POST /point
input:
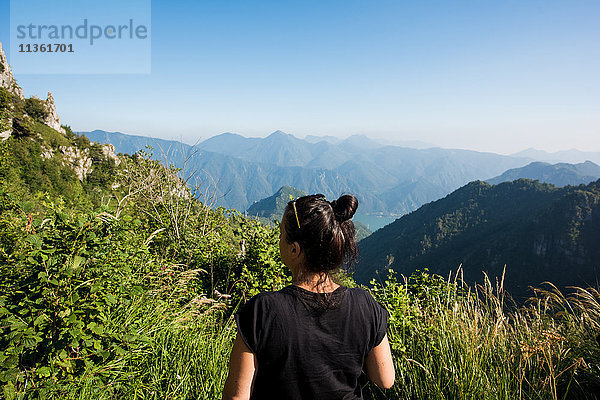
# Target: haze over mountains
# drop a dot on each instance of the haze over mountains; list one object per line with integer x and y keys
{"x": 387, "y": 180}
{"x": 572, "y": 156}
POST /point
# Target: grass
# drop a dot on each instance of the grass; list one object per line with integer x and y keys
{"x": 467, "y": 344}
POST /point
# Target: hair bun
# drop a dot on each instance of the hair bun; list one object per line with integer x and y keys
{"x": 344, "y": 207}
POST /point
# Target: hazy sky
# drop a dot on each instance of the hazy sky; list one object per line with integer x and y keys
{"x": 486, "y": 75}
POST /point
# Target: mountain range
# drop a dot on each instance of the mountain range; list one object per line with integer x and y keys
{"x": 561, "y": 174}
{"x": 388, "y": 180}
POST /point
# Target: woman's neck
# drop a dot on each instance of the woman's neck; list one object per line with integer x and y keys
{"x": 319, "y": 283}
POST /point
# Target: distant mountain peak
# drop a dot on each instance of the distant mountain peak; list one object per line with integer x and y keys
{"x": 569, "y": 156}
{"x": 359, "y": 137}
{"x": 360, "y": 141}
{"x": 317, "y": 139}
{"x": 230, "y": 134}
{"x": 226, "y": 135}
{"x": 281, "y": 137}
{"x": 540, "y": 163}
{"x": 279, "y": 133}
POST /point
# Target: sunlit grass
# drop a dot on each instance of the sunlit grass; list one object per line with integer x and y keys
{"x": 467, "y": 344}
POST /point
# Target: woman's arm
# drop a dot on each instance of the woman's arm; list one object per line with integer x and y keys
{"x": 242, "y": 365}
{"x": 379, "y": 365}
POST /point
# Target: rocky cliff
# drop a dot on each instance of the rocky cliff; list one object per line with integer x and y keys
{"x": 33, "y": 133}
{"x": 52, "y": 119}
{"x": 7, "y": 81}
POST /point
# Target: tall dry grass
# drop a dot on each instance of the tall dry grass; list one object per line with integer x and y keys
{"x": 461, "y": 343}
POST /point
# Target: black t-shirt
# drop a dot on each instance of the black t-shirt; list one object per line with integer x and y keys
{"x": 307, "y": 347}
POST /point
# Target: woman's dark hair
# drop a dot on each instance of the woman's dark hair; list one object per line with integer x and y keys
{"x": 324, "y": 230}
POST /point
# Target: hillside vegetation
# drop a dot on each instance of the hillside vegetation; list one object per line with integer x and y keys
{"x": 124, "y": 298}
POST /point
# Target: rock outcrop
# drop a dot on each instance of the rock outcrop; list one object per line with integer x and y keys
{"x": 109, "y": 152}
{"x": 5, "y": 126}
{"x": 52, "y": 119}
{"x": 47, "y": 152}
{"x": 77, "y": 159}
{"x": 7, "y": 80}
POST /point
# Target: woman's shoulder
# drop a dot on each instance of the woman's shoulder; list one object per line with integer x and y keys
{"x": 263, "y": 297}
{"x": 268, "y": 298}
{"x": 363, "y": 298}
{"x": 360, "y": 293}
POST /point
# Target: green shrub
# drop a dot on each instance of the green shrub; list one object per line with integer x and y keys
{"x": 36, "y": 109}
{"x": 61, "y": 284}
{"x": 68, "y": 132}
{"x": 5, "y": 99}
{"x": 22, "y": 127}
{"x": 82, "y": 141}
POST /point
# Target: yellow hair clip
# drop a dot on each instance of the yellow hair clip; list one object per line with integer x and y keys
{"x": 296, "y": 213}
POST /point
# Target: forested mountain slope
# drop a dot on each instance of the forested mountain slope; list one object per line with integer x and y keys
{"x": 540, "y": 232}
{"x": 274, "y": 206}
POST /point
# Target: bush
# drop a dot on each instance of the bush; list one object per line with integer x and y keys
{"x": 5, "y": 99}
{"x": 68, "y": 132}
{"x": 36, "y": 109}
{"x": 22, "y": 127}
{"x": 62, "y": 282}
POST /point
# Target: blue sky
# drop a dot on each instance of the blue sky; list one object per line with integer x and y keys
{"x": 497, "y": 76}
